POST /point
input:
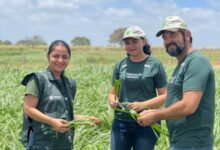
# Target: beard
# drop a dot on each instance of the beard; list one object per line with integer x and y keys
{"x": 174, "y": 50}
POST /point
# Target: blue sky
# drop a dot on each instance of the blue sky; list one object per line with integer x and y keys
{"x": 97, "y": 19}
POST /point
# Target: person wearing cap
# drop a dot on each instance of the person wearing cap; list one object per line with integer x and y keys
{"x": 48, "y": 103}
{"x": 190, "y": 103}
{"x": 141, "y": 78}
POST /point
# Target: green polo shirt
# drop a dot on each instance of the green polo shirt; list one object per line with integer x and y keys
{"x": 194, "y": 73}
{"x": 139, "y": 81}
{"x": 31, "y": 88}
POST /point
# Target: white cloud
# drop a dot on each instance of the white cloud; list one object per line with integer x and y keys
{"x": 119, "y": 12}
{"x": 81, "y": 16}
{"x": 15, "y": 3}
{"x": 88, "y": 1}
{"x": 12, "y": 6}
{"x": 157, "y": 7}
{"x": 84, "y": 19}
{"x": 66, "y": 3}
{"x": 57, "y": 4}
{"x": 214, "y": 3}
{"x": 44, "y": 17}
{"x": 203, "y": 22}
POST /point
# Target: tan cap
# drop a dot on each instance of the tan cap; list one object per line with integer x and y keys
{"x": 133, "y": 32}
{"x": 172, "y": 23}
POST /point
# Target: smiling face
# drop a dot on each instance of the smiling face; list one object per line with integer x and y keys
{"x": 134, "y": 47}
{"x": 174, "y": 42}
{"x": 58, "y": 59}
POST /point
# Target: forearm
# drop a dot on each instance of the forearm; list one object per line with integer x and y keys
{"x": 94, "y": 119}
{"x": 112, "y": 98}
{"x": 38, "y": 116}
{"x": 175, "y": 111}
{"x": 30, "y": 104}
{"x": 184, "y": 107}
{"x": 80, "y": 117}
{"x": 155, "y": 102}
{"x": 111, "y": 95}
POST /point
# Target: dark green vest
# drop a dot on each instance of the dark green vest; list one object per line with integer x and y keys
{"x": 55, "y": 100}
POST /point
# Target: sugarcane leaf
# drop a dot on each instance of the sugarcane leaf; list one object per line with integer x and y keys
{"x": 155, "y": 127}
{"x": 117, "y": 87}
{"x": 133, "y": 114}
{"x": 77, "y": 123}
{"x": 159, "y": 129}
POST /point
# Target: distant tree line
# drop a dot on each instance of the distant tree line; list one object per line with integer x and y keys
{"x": 80, "y": 41}
{"x": 28, "y": 41}
{"x": 114, "y": 38}
{"x": 32, "y": 41}
{"x": 6, "y": 42}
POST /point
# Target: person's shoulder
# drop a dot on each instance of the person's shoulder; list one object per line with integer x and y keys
{"x": 38, "y": 72}
{"x": 196, "y": 56}
{"x": 33, "y": 75}
{"x": 198, "y": 60}
{"x": 154, "y": 60}
{"x": 121, "y": 62}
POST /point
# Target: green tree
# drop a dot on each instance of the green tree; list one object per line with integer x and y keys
{"x": 80, "y": 41}
{"x": 6, "y": 42}
{"x": 117, "y": 35}
{"x": 33, "y": 41}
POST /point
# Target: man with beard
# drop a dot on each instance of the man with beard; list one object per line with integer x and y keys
{"x": 190, "y": 102}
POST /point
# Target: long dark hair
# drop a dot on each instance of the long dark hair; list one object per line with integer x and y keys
{"x": 147, "y": 49}
{"x": 56, "y": 43}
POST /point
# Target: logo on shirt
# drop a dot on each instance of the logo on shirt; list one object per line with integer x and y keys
{"x": 51, "y": 97}
{"x": 123, "y": 66}
{"x": 133, "y": 75}
{"x": 147, "y": 66}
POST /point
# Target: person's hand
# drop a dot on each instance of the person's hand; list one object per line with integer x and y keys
{"x": 113, "y": 102}
{"x": 96, "y": 120}
{"x": 148, "y": 117}
{"x": 60, "y": 125}
{"x": 137, "y": 106}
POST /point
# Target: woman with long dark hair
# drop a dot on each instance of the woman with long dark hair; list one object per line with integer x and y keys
{"x": 142, "y": 78}
{"x": 48, "y": 103}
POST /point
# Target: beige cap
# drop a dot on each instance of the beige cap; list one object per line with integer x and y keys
{"x": 133, "y": 32}
{"x": 172, "y": 23}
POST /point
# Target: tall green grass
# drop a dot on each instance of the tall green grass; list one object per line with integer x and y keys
{"x": 92, "y": 69}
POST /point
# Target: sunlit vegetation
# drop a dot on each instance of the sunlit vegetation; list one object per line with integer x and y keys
{"x": 92, "y": 68}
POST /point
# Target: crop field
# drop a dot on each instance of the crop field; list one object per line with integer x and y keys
{"x": 92, "y": 68}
